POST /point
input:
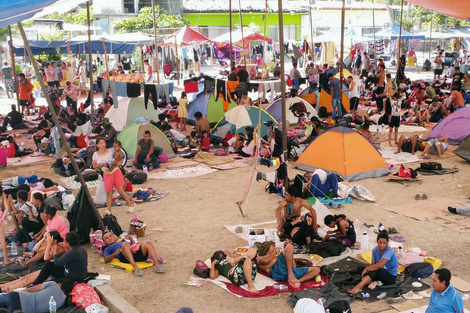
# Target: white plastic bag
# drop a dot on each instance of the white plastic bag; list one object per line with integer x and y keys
{"x": 97, "y": 308}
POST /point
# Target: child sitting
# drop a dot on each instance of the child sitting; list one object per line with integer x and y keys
{"x": 193, "y": 141}
{"x": 118, "y": 155}
{"x": 206, "y": 141}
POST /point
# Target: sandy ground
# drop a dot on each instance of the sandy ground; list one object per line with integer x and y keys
{"x": 188, "y": 225}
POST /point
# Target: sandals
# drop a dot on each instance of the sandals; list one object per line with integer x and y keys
{"x": 412, "y": 296}
{"x": 419, "y": 197}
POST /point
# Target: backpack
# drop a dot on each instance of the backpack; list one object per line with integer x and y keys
{"x": 427, "y": 65}
{"x": 89, "y": 175}
{"x": 406, "y": 172}
{"x": 298, "y": 109}
{"x": 201, "y": 269}
{"x": 430, "y": 166}
{"x": 55, "y": 200}
{"x": 112, "y": 223}
{"x": 326, "y": 249}
{"x": 136, "y": 177}
{"x": 341, "y": 306}
{"x": 322, "y": 112}
{"x": 419, "y": 270}
{"x": 84, "y": 295}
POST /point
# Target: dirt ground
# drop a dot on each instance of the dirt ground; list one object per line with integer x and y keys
{"x": 188, "y": 225}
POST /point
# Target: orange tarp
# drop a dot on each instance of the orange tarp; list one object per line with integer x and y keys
{"x": 454, "y": 8}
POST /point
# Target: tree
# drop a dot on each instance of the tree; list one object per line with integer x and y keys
{"x": 144, "y": 20}
{"x": 80, "y": 18}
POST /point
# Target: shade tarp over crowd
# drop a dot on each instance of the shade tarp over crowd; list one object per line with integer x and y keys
{"x": 116, "y": 43}
{"x": 237, "y": 39}
{"x": 453, "y": 8}
{"x": 393, "y": 32}
{"x": 186, "y": 36}
{"x": 15, "y": 11}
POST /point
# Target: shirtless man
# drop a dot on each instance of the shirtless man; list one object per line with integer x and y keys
{"x": 380, "y": 87}
{"x": 245, "y": 99}
{"x": 149, "y": 73}
{"x": 282, "y": 267}
{"x": 289, "y": 211}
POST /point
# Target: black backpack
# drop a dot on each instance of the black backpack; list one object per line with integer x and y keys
{"x": 341, "y": 306}
{"x": 111, "y": 222}
{"x": 136, "y": 177}
{"x": 427, "y": 65}
{"x": 89, "y": 175}
{"x": 430, "y": 166}
{"x": 322, "y": 112}
{"x": 419, "y": 270}
{"x": 326, "y": 249}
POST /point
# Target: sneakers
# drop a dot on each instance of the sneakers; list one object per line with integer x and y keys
{"x": 159, "y": 270}
{"x": 452, "y": 210}
{"x": 138, "y": 272}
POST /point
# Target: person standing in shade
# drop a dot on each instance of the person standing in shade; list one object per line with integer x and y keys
{"x": 335, "y": 95}
{"x": 7, "y": 79}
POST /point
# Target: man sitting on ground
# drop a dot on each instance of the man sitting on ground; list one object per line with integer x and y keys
{"x": 14, "y": 118}
{"x": 145, "y": 154}
{"x": 282, "y": 267}
{"x": 410, "y": 145}
{"x": 444, "y": 297}
{"x": 130, "y": 252}
{"x": 290, "y": 209}
{"x": 239, "y": 269}
{"x": 202, "y": 123}
{"x": 323, "y": 185}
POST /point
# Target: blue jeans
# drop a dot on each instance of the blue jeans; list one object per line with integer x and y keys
{"x": 336, "y": 105}
{"x": 10, "y": 301}
{"x": 322, "y": 190}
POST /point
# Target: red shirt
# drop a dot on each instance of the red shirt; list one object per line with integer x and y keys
{"x": 206, "y": 143}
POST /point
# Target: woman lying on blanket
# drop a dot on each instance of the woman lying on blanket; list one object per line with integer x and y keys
{"x": 302, "y": 232}
{"x": 239, "y": 269}
{"x": 345, "y": 229}
{"x": 384, "y": 265}
{"x": 52, "y": 239}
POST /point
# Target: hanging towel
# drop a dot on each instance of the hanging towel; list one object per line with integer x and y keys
{"x": 164, "y": 89}
{"x": 105, "y": 85}
{"x": 121, "y": 89}
{"x": 190, "y": 86}
{"x": 133, "y": 90}
{"x": 220, "y": 88}
{"x": 290, "y": 82}
{"x": 209, "y": 83}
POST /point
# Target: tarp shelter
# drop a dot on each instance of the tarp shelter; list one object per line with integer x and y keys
{"x": 210, "y": 109}
{"x": 116, "y": 43}
{"x": 275, "y": 109}
{"x": 393, "y": 32}
{"x": 237, "y": 39}
{"x": 243, "y": 116}
{"x": 345, "y": 152}
{"x": 453, "y": 8}
{"x": 456, "y": 127}
{"x": 15, "y": 11}
{"x": 186, "y": 36}
{"x": 463, "y": 150}
{"x": 129, "y": 110}
{"x": 325, "y": 101}
{"x": 131, "y": 134}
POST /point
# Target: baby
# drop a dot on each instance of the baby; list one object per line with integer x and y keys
{"x": 118, "y": 155}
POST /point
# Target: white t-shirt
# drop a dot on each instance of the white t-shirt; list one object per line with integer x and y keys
{"x": 108, "y": 159}
{"x": 396, "y": 107}
{"x": 82, "y": 72}
{"x": 249, "y": 148}
{"x": 354, "y": 92}
{"x": 438, "y": 66}
{"x": 25, "y": 207}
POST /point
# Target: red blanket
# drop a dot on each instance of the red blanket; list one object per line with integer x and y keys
{"x": 272, "y": 291}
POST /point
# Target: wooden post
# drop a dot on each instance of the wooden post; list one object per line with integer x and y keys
{"x": 283, "y": 80}
{"x": 142, "y": 58}
{"x": 341, "y": 78}
{"x": 430, "y": 38}
{"x": 61, "y": 132}
{"x": 312, "y": 48}
{"x": 177, "y": 61}
{"x": 241, "y": 25}
{"x": 156, "y": 42}
{"x": 230, "y": 23}
{"x": 399, "y": 36}
{"x": 90, "y": 66}
{"x": 373, "y": 25}
{"x": 106, "y": 59}
{"x": 15, "y": 80}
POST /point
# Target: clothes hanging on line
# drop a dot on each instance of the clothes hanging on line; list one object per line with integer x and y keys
{"x": 121, "y": 89}
{"x": 220, "y": 88}
{"x": 133, "y": 90}
{"x": 105, "y": 85}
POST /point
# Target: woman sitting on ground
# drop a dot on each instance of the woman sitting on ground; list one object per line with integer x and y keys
{"x": 52, "y": 240}
{"x": 344, "y": 229}
{"x": 303, "y": 233}
{"x": 384, "y": 265}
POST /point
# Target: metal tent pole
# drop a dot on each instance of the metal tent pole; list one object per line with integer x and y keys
{"x": 90, "y": 66}
{"x": 15, "y": 81}
{"x": 399, "y": 36}
{"x": 61, "y": 132}
{"x": 341, "y": 78}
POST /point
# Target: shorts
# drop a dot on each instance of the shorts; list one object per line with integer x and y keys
{"x": 407, "y": 146}
{"x": 349, "y": 240}
{"x": 394, "y": 121}
{"x": 236, "y": 274}
{"x": 139, "y": 256}
{"x": 25, "y": 103}
{"x": 114, "y": 180}
{"x": 382, "y": 275}
{"x": 54, "y": 83}
{"x": 433, "y": 142}
{"x": 279, "y": 272}
{"x": 438, "y": 71}
{"x": 354, "y": 103}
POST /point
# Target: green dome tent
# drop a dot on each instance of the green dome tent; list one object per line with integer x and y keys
{"x": 132, "y": 133}
{"x": 129, "y": 110}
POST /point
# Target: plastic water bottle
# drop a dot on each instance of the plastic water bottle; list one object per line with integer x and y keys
{"x": 52, "y": 305}
{"x": 383, "y": 129}
{"x": 280, "y": 286}
{"x": 145, "y": 169}
{"x": 21, "y": 147}
{"x": 365, "y": 241}
{"x": 14, "y": 248}
{"x": 92, "y": 236}
{"x": 65, "y": 201}
{"x": 99, "y": 235}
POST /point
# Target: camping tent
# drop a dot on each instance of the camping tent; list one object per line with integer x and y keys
{"x": 237, "y": 38}
{"x": 463, "y": 150}
{"x": 393, "y": 32}
{"x": 132, "y": 133}
{"x": 210, "y": 109}
{"x": 186, "y": 36}
{"x": 325, "y": 101}
{"x": 275, "y": 109}
{"x": 129, "y": 110}
{"x": 242, "y": 116}
{"x": 345, "y": 152}
{"x": 456, "y": 127}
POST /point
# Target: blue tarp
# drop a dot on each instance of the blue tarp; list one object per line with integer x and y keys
{"x": 393, "y": 32}
{"x": 15, "y": 11}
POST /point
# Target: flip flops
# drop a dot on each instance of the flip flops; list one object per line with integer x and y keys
{"x": 421, "y": 197}
{"x": 412, "y": 296}
{"x": 425, "y": 294}
{"x": 418, "y": 197}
